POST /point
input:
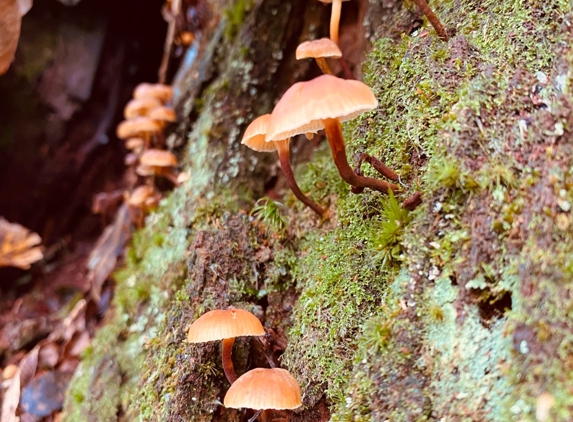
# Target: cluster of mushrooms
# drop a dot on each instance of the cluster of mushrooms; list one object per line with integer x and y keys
{"x": 146, "y": 117}
{"x": 260, "y": 389}
{"x": 321, "y": 103}
{"x": 305, "y": 108}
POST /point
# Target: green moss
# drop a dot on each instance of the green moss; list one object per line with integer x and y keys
{"x": 235, "y": 16}
{"x": 401, "y": 316}
{"x": 448, "y": 109}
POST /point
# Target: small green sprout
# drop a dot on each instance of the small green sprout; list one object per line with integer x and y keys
{"x": 268, "y": 212}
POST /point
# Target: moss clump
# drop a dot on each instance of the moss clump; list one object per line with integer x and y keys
{"x": 449, "y": 122}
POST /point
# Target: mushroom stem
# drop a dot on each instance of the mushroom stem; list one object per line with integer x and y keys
{"x": 284, "y": 158}
{"x": 432, "y": 18}
{"x": 323, "y": 65}
{"x": 336, "y": 141}
{"x": 335, "y": 20}
{"x": 268, "y": 354}
{"x": 379, "y": 166}
{"x": 227, "y": 349}
{"x": 347, "y": 72}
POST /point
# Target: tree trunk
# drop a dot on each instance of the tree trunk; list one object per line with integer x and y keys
{"x": 459, "y": 310}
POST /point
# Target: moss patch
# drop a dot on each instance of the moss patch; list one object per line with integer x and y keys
{"x": 471, "y": 124}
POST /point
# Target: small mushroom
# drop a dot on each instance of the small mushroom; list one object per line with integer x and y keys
{"x": 334, "y": 18}
{"x": 319, "y": 50}
{"x": 322, "y": 103}
{"x": 143, "y": 127}
{"x": 140, "y": 107}
{"x": 163, "y": 115}
{"x": 135, "y": 144}
{"x": 159, "y": 162}
{"x": 161, "y": 92}
{"x": 264, "y": 389}
{"x": 140, "y": 202}
{"x": 225, "y": 325}
{"x": 254, "y": 138}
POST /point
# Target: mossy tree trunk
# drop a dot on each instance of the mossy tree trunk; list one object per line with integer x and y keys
{"x": 459, "y": 310}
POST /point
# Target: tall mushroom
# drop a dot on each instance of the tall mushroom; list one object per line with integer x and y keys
{"x": 319, "y": 50}
{"x": 334, "y": 18}
{"x": 263, "y": 389}
{"x": 254, "y": 138}
{"x": 323, "y": 103}
{"x": 225, "y": 325}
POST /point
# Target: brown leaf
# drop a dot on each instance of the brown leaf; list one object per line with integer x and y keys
{"x": 23, "y": 375}
{"x": 10, "y": 20}
{"x": 109, "y": 246}
{"x": 11, "y": 400}
{"x": 16, "y": 241}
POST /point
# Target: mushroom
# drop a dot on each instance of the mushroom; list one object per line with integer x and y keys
{"x": 225, "y": 325}
{"x": 319, "y": 50}
{"x": 159, "y": 162}
{"x": 161, "y": 92}
{"x": 135, "y": 144}
{"x": 322, "y": 103}
{"x": 163, "y": 115}
{"x": 140, "y": 202}
{"x": 263, "y": 389}
{"x": 254, "y": 138}
{"x": 334, "y": 18}
{"x": 140, "y": 107}
{"x": 143, "y": 127}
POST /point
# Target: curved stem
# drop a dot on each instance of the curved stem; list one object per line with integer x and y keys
{"x": 336, "y": 141}
{"x": 227, "y": 350}
{"x": 284, "y": 158}
{"x": 432, "y": 18}
{"x": 323, "y": 65}
{"x": 379, "y": 166}
{"x": 335, "y": 20}
{"x": 347, "y": 72}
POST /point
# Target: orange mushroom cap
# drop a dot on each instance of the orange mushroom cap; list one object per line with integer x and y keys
{"x": 158, "y": 158}
{"x": 140, "y": 194}
{"x": 136, "y": 127}
{"x": 144, "y": 171}
{"x": 323, "y": 47}
{"x": 135, "y": 144}
{"x": 305, "y": 105}
{"x": 264, "y": 388}
{"x": 165, "y": 114}
{"x": 140, "y": 107}
{"x": 163, "y": 93}
{"x": 224, "y": 323}
{"x": 254, "y": 136}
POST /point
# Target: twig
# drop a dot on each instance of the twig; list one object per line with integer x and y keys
{"x": 432, "y": 18}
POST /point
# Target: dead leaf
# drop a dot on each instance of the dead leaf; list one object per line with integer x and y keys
{"x": 11, "y": 400}
{"x": 108, "y": 248}
{"x": 23, "y": 375}
{"x": 17, "y": 242}
{"x": 10, "y": 20}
